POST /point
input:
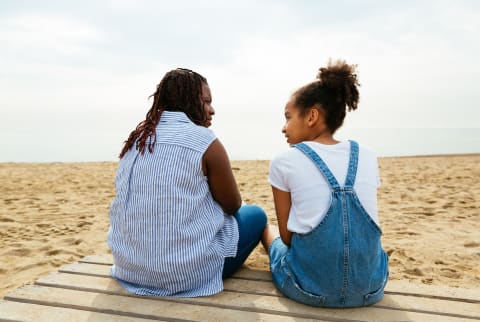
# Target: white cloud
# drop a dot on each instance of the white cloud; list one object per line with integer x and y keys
{"x": 87, "y": 73}
{"x": 55, "y": 34}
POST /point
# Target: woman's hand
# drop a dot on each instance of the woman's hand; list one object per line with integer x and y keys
{"x": 216, "y": 166}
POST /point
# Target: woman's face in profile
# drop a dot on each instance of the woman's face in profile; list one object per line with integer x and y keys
{"x": 207, "y": 105}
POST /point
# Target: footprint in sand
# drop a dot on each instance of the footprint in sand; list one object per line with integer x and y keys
{"x": 83, "y": 223}
{"x": 471, "y": 244}
{"x": 416, "y": 271}
{"x": 45, "y": 248}
{"x": 6, "y": 219}
{"x": 427, "y": 280}
{"x": 410, "y": 233}
{"x": 20, "y": 252}
{"x": 72, "y": 241}
{"x": 61, "y": 251}
{"x": 450, "y": 273}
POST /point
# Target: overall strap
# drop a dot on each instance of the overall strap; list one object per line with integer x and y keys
{"x": 320, "y": 164}
{"x": 352, "y": 165}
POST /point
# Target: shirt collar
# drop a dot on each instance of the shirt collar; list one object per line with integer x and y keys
{"x": 169, "y": 116}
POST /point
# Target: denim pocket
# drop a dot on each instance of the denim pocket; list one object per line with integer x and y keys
{"x": 292, "y": 290}
{"x": 375, "y": 296}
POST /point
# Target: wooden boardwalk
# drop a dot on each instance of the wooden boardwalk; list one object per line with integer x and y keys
{"x": 83, "y": 291}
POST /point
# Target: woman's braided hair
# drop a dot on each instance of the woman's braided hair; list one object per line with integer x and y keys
{"x": 179, "y": 90}
{"x": 335, "y": 91}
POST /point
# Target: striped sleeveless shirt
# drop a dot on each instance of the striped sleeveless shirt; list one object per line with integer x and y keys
{"x": 168, "y": 236}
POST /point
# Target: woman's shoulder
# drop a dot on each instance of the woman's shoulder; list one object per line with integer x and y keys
{"x": 185, "y": 134}
{"x": 199, "y": 137}
{"x": 203, "y": 132}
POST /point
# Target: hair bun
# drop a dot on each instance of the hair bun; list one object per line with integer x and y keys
{"x": 341, "y": 79}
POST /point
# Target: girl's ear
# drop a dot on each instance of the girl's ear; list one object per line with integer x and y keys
{"x": 313, "y": 116}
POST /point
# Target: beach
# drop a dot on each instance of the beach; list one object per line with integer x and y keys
{"x": 52, "y": 214}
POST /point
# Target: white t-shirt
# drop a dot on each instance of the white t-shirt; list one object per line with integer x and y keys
{"x": 294, "y": 172}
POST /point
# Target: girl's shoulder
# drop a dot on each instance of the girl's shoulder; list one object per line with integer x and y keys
{"x": 287, "y": 160}
{"x": 293, "y": 156}
{"x": 286, "y": 155}
{"x": 366, "y": 152}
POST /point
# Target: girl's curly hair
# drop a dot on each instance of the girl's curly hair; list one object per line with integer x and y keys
{"x": 335, "y": 91}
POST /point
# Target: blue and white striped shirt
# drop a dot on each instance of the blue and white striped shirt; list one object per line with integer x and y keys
{"x": 168, "y": 236}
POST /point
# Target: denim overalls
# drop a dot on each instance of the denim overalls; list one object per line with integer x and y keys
{"x": 340, "y": 263}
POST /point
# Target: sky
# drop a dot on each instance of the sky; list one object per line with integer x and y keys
{"x": 75, "y": 76}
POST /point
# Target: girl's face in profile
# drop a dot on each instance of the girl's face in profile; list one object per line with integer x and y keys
{"x": 207, "y": 104}
{"x": 295, "y": 128}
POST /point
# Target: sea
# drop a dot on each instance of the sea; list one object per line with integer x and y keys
{"x": 388, "y": 142}
{"x": 248, "y": 144}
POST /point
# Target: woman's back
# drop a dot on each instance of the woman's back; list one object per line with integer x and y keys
{"x": 177, "y": 235}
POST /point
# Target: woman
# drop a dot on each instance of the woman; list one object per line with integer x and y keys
{"x": 176, "y": 224}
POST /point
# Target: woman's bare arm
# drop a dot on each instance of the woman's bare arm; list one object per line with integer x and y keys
{"x": 216, "y": 166}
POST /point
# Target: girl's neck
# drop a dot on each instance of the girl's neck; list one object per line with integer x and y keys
{"x": 325, "y": 138}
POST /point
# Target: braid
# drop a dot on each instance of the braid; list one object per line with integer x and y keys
{"x": 179, "y": 90}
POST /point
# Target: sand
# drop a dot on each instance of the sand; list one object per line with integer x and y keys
{"x": 55, "y": 213}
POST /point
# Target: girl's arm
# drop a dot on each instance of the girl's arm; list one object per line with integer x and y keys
{"x": 282, "y": 208}
{"x": 216, "y": 166}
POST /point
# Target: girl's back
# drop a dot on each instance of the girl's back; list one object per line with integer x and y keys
{"x": 293, "y": 171}
{"x": 341, "y": 260}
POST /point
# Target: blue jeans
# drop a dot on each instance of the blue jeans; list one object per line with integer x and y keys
{"x": 251, "y": 221}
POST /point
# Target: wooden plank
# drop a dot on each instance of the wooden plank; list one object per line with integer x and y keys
{"x": 86, "y": 269}
{"x": 18, "y": 311}
{"x": 393, "y": 287}
{"x": 106, "y": 259}
{"x": 85, "y": 292}
{"x": 434, "y": 291}
{"x": 254, "y": 286}
{"x": 397, "y": 306}
{"x": 139, "y": 307}
{"x": 390, "y": 301}
{"x": 253, "y": 274}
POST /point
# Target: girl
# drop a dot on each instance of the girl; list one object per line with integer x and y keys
{"x": 176, "y": 223}
{"x": 329, "y": 251}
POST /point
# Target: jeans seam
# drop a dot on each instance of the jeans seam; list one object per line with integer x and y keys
{"x": 345, "y": 249}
